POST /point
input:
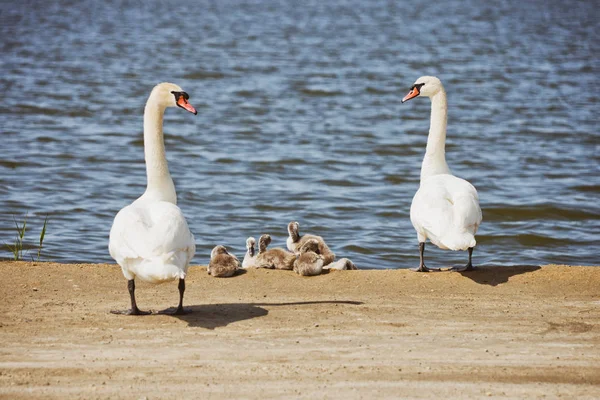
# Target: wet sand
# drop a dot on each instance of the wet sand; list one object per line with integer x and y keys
{"x": 499, "y": 332}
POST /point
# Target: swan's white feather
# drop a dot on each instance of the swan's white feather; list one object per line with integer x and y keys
{"x": 152, "y": 241}
{"x": 249, "y": 261}
{"x": 446, "y": 211}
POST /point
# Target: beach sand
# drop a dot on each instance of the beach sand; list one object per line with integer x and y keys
{"x": 499, "y": 332}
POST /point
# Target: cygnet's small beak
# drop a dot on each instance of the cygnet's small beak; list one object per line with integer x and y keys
{"x": 414, "y": 92}
{"x": 183, "y": 103}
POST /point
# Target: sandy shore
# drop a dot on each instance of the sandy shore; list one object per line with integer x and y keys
{"x": 500, "y": 332}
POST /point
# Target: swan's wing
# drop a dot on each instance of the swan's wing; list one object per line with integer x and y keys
{"x": 431, "y": 210}
{"x": 150, "y": 230}
{"x": 467, "y": 212}
{"x": 249, "y": 261}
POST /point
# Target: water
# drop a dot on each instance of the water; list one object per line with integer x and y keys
{"x": 300, "y": 119}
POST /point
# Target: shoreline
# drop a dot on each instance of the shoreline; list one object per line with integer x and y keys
{"x": 516, "y": 332}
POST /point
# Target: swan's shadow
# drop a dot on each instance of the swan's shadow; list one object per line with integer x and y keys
{"x": 495, "y": 275}
{"x": 211, "y": 316}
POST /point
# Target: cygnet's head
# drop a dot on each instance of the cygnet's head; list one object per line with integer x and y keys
{"x": 293, "y": 229}
{"x": 250, "y": 243}
{"x": 171, "y": 95}
{"x": 218, "y": 250}
{"x": 263, "y": 242}
{"x": 310, "y": 245}
{"x": 424, "y": 86}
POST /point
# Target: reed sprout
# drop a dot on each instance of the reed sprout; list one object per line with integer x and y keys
{"x": 19, "y": 244}
{"x": 42, "y": 234}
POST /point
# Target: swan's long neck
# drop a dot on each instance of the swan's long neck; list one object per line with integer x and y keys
{"x": 434, "y": 162}
{"x": 160, "y": 185}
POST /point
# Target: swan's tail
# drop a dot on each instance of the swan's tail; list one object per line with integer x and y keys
{"x": 459, "y": 241}
{"x": 466, "y": 220}
{"x": 163, "y": 268}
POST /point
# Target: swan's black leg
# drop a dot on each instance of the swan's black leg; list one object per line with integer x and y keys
{"x": 180, "y": 310}
{"x": 134, "y": 309}
{"x": 468, "y": 267}
{"x": 181, "y": 287}
{"x": 422, "y": 267}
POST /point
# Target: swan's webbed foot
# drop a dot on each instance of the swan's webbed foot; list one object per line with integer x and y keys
{"x": 423, "y": 268}
{"x": 133, "y": 311}
{"x": 134, "y": 308}
{"x": 468, "y": 267}
{"x": 182, "y": 311}
{"x": 175, "y": 311}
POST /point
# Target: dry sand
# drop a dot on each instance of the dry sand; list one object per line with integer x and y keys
{"x": 500, "y": 332}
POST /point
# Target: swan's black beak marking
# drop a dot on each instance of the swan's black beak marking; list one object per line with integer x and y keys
{"x": 415, "y": 90}
{"x": 181, "y": 98}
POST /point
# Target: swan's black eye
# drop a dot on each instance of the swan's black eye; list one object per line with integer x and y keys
{"x": 417, "y": 85}
{"x": 179, "y": 94}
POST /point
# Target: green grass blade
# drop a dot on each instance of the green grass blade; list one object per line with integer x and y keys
{"x": 42, "y": 235}
{"x": 43, "y": 231}
{"x": 12, "y": 250}
{"x": 22, "y": 233}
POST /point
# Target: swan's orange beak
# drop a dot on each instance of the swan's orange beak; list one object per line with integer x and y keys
{"x": 414, "y": 92}
{"x": 183, "y": 103}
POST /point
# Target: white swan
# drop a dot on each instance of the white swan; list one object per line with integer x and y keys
{"x": 150, "y": 238}
{"x": 445, "y": 209}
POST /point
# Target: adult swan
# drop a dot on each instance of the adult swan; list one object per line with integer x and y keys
{"x": 445, "y": 209}
{"x": 150, "y": 238}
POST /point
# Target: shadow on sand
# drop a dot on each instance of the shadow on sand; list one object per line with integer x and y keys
{"x": 494, "y": 275}
{"x": 211, "y": 316}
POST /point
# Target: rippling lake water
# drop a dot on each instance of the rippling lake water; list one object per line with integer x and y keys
{"x": 299, "y": 118}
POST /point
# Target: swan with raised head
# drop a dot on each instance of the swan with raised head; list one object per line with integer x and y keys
{"x": 275, "y": 258}
{"x": 445, "y": 209}
{"x": 295, "y": 241}
{"x": 250, "y": 256}
{"x": 150, "y": 238}
{"x": 222, "y": 264}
